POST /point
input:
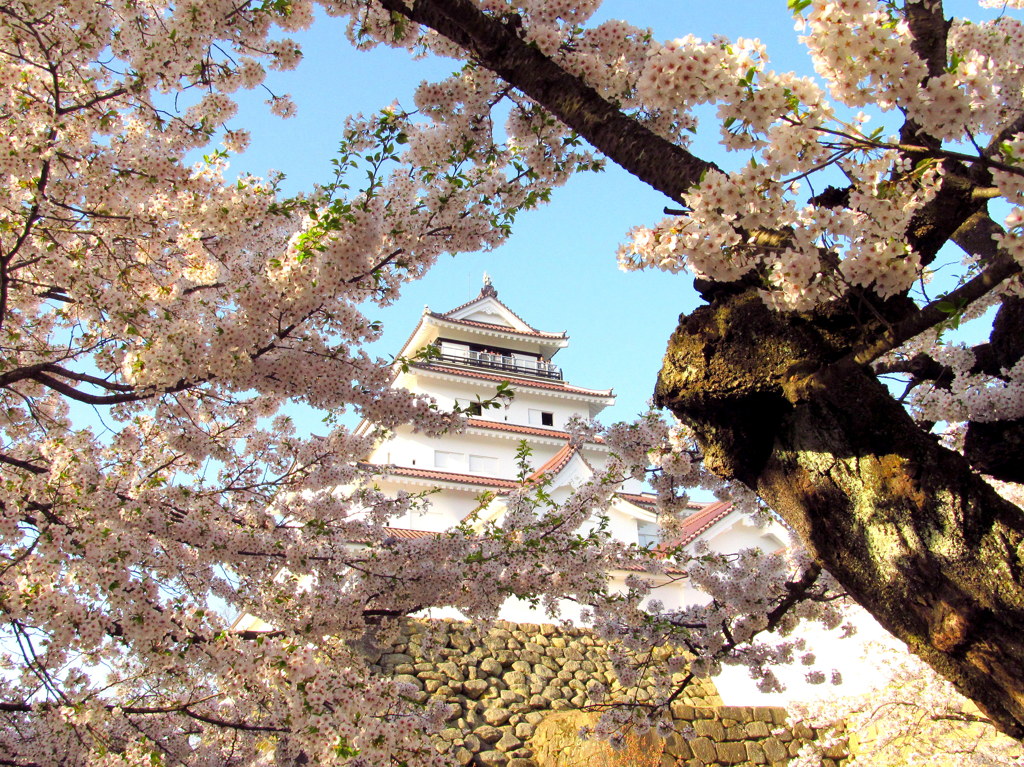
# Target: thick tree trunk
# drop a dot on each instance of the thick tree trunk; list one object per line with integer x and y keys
{"x": 906, "y": 527}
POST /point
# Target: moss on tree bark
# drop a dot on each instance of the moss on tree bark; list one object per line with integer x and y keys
{"x": 915, "y": 536}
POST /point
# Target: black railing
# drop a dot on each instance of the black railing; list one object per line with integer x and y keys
{"x": 505, "y": 363}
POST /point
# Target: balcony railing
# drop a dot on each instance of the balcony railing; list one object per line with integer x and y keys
{"x": 504, "y": 363}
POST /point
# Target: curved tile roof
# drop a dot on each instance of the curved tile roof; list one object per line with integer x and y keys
{"x": 537, "y": 384}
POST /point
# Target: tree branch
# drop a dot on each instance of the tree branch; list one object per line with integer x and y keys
{"x": 666, "y": 167}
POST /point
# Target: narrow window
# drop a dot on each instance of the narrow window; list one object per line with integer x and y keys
{"x": 541, "y": 418}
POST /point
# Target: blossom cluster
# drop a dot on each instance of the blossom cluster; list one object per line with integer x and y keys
{"x": 196, "y": 314}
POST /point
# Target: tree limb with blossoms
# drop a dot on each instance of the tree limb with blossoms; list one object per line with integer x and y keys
{"x": 179, "y": 314}
{"x": 182, "y": 314}
{"x": 812, "y": 296}
{"x": 159, "y": 326}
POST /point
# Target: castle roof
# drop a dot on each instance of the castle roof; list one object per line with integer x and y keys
{"x": 546, "y": 384}
{"x": 442, "y": 476}
{"x": 699, "y": 522}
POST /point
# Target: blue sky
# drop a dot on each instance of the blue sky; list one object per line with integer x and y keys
{"x": 558, "y": 270}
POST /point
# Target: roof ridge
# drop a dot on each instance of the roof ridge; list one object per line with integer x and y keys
{"x": 504, "y": 328}
{"x": 492, "y": 294}
{"x": 699, "y": 522}
{"x": 695, "y": 506}
{"x": 556, "y": 463}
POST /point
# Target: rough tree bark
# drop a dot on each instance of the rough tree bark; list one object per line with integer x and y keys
{"x": 905, "y": 525}
{"x": 787, "y": 404}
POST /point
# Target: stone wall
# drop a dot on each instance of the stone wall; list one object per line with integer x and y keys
{"x": 502, "y": 684}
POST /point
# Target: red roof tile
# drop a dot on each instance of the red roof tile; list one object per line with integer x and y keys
{"x": 401, "y": 532}
{"x": 443, "y": 476}
{"x": 393, "y": 532}
{"x": 516, "y": 428}
{"x": 517, "y": 381}
{"x": 556, "y": 463}
{"x": 699, "y": 522}
{"x": 500, "y": 328}
{"x": 649, "y": 499}
{"x": 480, "y": 423}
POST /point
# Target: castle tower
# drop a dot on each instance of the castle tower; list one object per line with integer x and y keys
{"x": 460, "y": 357}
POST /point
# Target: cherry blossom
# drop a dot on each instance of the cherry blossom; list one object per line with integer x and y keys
{"x": 194, "y": 314}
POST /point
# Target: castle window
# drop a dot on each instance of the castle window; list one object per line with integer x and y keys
{"x": 469, "y": 407}
{"x": 541, "y": 418}
{"x": 647, "y": 533}
{"x": 483, "y": 464}
{"x": 444, "y": 459}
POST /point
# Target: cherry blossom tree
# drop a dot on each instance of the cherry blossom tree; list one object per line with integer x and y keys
{"x": 910, "y": 716}
{"x": 811, "y": 297}
{"x": 158, "y": 320}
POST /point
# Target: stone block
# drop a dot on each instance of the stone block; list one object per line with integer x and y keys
{"x": 492, "y": 759}
{"x": 704, "y": 750}
{"x": 488, "y": 733}
{"x": 779, "y": 715}
{"x": 524, "y": 730}
{"x": 496, "y": 716}
{"x": 677, "y": 746}
{"x": 739, "y": 713}
{"x": 515, "y": 678}
{"x": 731, "y": 753}
{"x": 390, "y": 660}
{"x": 683, "y": 712}
{"x": 474, "y": 688}
{"x": 802, "y": 731}
{"x": 757, "y": 729}
{"x": 709, "y": 728}
{"x": 508, "y": 742}
{"x": 755, "y": 753}
{"x": 837, "y": 751}
{"x": 490, "y": 667}
{"x": 451, "y": 670}
{"x": 409, "y": 679}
